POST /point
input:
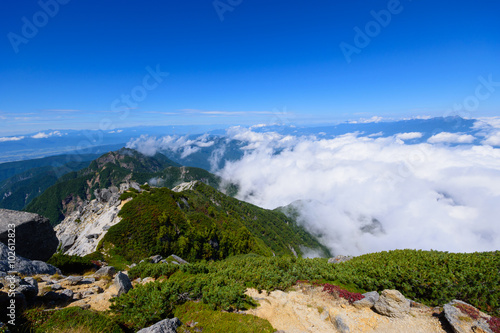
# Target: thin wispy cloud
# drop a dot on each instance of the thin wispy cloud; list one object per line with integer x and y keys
{"x": 163, "y": 113}
{"x": 230, "y": 113}
{"x": 62, "y": 110}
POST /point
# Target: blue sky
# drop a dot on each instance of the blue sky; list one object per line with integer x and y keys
{"x": 242, "y": 62}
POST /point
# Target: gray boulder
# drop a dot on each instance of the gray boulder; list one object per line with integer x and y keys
{"x": 164, "y": 326}
{"x": 392, "y": 304}
{"x": 29, "y": 287}
{"x": 179, "y": 259}
{"x": 369, "y": 301}
{"x": 456, "y": 314}
{"x": 155, "y": 259}
{"x": 34, "y": 236}
{"x": 67, "y": 241}
{"x": 122, "y": 283}
{"x": 24, "y": 266}
{"x": 105, "y": 271}
{"x": 67, "y": 294}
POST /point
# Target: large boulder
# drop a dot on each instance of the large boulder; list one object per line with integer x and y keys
{"x": 34, "y": 237}
{"x": 24, "y": 266}
{"x": 164, "y": 326}
{"x": 465, "y": 318}
{"x": 392, "y": 303}
{"x": 121, "y": 283}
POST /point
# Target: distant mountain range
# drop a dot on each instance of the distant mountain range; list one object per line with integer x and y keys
{"x": 51, "y": 142}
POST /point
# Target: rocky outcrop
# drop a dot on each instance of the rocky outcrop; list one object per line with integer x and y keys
{"x": 34, "y": 237}
{"x": 465, "y": 318}
{"x": 392, "y": 303}
{"x": 185, "y": 186}
{"x": 307, "y": 308}
{"x": 164, "y": 326}
{"x": 338, "y": 259}
{"x": 81, "y": 231}
{"x": 24, "y": 266}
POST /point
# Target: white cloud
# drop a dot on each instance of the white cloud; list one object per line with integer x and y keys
{"x": 11, "y": 138}
{"x": 446, "y": 137}
{"x": 409, "y": 136}
{"x": 151, "y": 145}
{"x": 410, "y": 196}
{"x": 374, "y": 119}
{"x": 43, "y": 135}
{"x": 492, "y": 139}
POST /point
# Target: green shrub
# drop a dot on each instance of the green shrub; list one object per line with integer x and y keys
{"x": 146, "y": 269}
{"x": 69, "y": 319}
{"x": 126, "y": 195}
{"x": 210, "y": 321}
{"x": 71, "y": 264}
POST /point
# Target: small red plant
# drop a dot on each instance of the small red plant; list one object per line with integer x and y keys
{"x": 351, "y": 297}
{"x": 332, "y": 289}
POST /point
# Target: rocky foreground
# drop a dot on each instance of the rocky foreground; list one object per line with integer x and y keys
{"x": 305, "y": 308}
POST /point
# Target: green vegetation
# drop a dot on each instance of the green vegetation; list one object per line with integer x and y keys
{"x": 9, "y": 169}
{"x": 20, "y": 189}
{"x": 201, "y": 224}
{"x": 110, "y": 169}
{"x": 210, "y": 321}
{"x": 72, "y": 319}
{"x": 430, "y": 277}
{"x": 71, "y": 264}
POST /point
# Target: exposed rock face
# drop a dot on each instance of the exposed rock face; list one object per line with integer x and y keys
{"x": 34, "y": 237}
{"x": 339, "y": 259}
{"x": 24, "y": 266}
{"x": 164, "y": 326}
{"x": 185, "y": 186}
{"x": 465, "y": 318}
{"x": 81, "y": 231}
{"x": 392, "y": 304}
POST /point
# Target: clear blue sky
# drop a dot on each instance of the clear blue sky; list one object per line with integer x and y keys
{"x": 266, "y": 61}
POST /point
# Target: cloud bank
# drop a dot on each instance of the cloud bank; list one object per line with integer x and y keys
{"x": 150, "y": 145}
{"x": 368, "y": 194}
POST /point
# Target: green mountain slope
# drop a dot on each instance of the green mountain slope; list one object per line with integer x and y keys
{"x": 19, "y": 190}
{"x": 201, "y": 223}
{"x": 111, "y": 169}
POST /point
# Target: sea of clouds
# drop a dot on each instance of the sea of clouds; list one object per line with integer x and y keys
{"x": 364, "y": 194}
